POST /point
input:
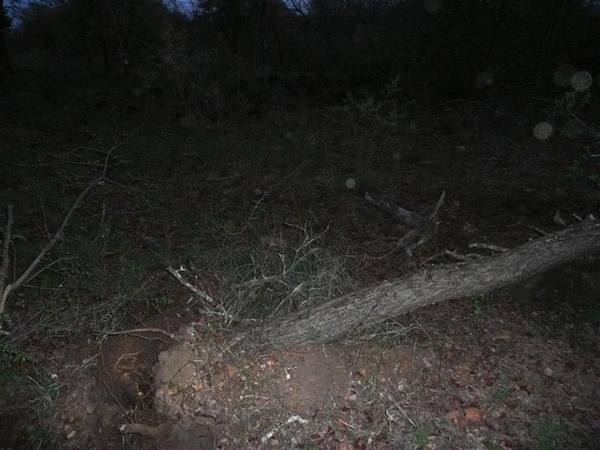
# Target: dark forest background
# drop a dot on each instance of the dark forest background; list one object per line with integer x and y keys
{"x": 218, "y": 55}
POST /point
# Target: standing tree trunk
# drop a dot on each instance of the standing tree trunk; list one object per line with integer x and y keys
{"x": 4, "y": 61}
{"x": 367, "y": 307}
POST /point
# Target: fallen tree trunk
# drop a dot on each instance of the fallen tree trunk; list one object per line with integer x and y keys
{"x": 345, "y": 315}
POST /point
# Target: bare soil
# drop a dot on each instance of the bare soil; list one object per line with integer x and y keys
{"x": 518, "y": 374}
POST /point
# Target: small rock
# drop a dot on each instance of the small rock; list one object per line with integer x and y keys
{"x": 473, "y": 414}
{"x": 231, "y": 371}
{"x": 453, "y": 415}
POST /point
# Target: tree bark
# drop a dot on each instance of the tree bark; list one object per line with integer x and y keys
{"x": 4, "y": 60}
{"x": 345, "y": 315}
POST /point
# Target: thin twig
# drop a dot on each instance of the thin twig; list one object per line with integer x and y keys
{"x": 25, "y": 276}
{"x": 43, "y": 269}
{"x": 189, "y": 285}
{"x": 493, "y": 248}
{"x": 4, "y": 268}
{"x": 438, "y": 205}
{"x": 585, "y": 125}
{"x": 119, "y": 404}
{"x": 138, "y": 191}
{"x": 140, "y": 330}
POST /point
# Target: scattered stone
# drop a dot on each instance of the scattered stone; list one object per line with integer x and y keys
{"x": 473, "y": 414}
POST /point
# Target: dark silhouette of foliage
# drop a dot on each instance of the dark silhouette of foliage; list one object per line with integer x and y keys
{"x": 437, "y": 47}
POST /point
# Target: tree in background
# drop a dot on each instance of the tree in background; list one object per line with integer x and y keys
{"x": 100, "y": 32}
{"x": 436, "y": 47}
{"x": 4, "y": 60}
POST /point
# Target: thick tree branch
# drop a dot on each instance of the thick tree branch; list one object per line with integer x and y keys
{"x": 367, "y": 307}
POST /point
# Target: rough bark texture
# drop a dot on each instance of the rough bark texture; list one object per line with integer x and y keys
{"x": 367, "y": 307}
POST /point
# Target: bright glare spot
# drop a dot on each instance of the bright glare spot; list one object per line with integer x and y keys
{"x": 563, "y": 74}
{"x": 543, "y": 131}
{"x": 432, "y": 5}
{"x": 581, "y": 81}
{"x": 350, "y": 183}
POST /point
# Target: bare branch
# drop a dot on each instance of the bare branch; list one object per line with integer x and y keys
{"x": 493, "y": 248}
{"x": 25, "y": 277}
{"x": 189, "y": 285}
{"x": 4, "y": 267}
{"x": 408, "y": 218}
{"x": 141, "y": 330}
